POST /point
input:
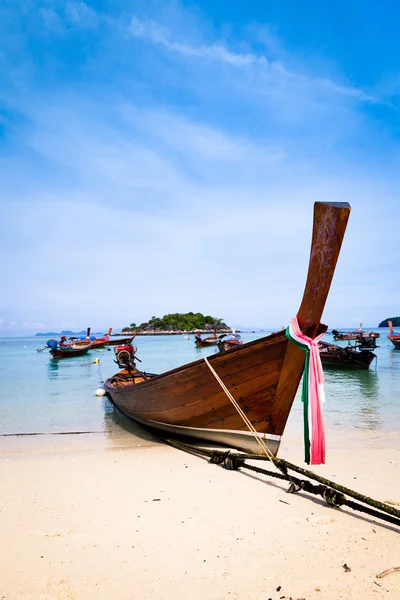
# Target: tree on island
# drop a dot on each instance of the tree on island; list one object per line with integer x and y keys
{"x": 179, "y": 322}
{"x": 395, "y": 322}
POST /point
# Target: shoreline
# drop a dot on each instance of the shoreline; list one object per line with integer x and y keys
{"x": 157, "y": 523}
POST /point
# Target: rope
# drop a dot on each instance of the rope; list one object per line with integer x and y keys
{"x": 333, "y": 493}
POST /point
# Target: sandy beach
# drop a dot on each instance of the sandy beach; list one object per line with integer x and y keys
{"x": 152, "y": 522}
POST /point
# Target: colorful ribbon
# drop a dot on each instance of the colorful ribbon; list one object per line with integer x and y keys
{"x": 312, "y": 394}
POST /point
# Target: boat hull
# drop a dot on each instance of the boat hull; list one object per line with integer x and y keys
{"x": 191, "y": 399}
{"x": 395, "y": 342}
{"x": 224, "y": 346}
{"x": 69, "y": 352}
{"x": 351, "y": 360}
{"x": 120, "y": 341}
{"x": 243, "y": 440}
{"x": 206, "y": 342}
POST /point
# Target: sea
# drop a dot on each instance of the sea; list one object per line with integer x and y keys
{"x": 45, "y": 402}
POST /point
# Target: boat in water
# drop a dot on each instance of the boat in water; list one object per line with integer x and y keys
{"x": 226, "y": 341}
{"x": 97, "y": 342}
{"x": 363, "y": 338}
{"x": 66, "y": 349}
{"x": 393, "y": 336}
{"x": 211, "y": 340}
{"x": 117, "y": 340}
{"x": 345, "y": 357}
{"x": 261, "y": 376}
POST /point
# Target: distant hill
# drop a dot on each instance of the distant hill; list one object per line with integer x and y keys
{"x": 395, "y": 322}
{"x": 67, "y": 333}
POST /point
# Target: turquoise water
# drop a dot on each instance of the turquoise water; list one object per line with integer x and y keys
{"x": 39, "y": 394}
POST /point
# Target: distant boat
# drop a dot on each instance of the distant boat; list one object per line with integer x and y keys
{"x": 364, "y": 338}
{"x": 96, "y": 342}
{"x": 211, "y": 340}
{"x": 348, "y": 357}
{"x": 64, "y": 349}
{"x": 226, "y": 342}
{"x": 393, "y": 336}
{"x": 101, "y": 342}
{"x": 220, "y": 397}
{"x": 119, "y": 339}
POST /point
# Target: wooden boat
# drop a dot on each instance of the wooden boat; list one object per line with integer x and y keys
{"x": 347, "y": 357}
{"x": 211, "y": 340}
{"x": 393, "y": 336}
{"x": 363, "y": 338}
{"x": 226, "y": 342}
{"x": 67, "y": 350}
{"x": 262, "y": 375}
{"x": 97, "y": 342}
{"x": 117, "y": 340}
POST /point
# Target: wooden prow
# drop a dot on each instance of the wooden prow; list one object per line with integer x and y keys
{"x": 330, "y": 221}
{"x": 88, "y": 332}
{"x": 391, "y": 327}
{"x": 109, "y": 331}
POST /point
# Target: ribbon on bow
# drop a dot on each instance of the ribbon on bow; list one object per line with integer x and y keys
{"x": 313, "y": 394}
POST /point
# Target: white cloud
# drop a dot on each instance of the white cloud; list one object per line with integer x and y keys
{"x": 153, "y": 32}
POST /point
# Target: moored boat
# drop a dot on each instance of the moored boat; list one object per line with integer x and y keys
{"x": 261, "y": 376}
{"x": 118, "y": 339}
{"x": 393, "y": 336}
{"x": 345, "y": 357}
{"x": 227, "y": 342}
{"x": 363, "y": 338}
{"x": 211, "y": 340}
{"x": 63, "y": 349}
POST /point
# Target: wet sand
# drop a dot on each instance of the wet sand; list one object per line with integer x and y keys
{"x": 147, "y": 521}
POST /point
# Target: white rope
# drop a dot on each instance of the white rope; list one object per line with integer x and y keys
{"x": 260, "y": 441}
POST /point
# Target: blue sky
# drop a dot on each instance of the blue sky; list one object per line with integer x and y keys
{"x": 164, "y": 157}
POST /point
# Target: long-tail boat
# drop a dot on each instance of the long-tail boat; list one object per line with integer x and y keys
{"x": 210, "y": 340}
{"x": 367, "y": 339}
{"x": 119, "y": 339}
{"x": 226, "y": 342}
{"x": 393, "y": 336}
{"x": 345, "y": 357}
{"x": 64, "y": 349}
{"x": 97, "y": 342}
{"x": 262, "y": 376}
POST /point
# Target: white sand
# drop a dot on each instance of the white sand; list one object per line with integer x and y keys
{"x": 156, "y": 523}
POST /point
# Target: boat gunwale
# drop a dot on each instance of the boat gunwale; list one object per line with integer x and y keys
{"x": 211, "y": 358}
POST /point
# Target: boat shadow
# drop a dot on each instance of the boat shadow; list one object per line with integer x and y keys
{"x": 321, "y": 503}
{"x": 115, "y": 420}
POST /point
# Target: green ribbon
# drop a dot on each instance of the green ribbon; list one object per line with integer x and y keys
{"x": 304, "y": 395}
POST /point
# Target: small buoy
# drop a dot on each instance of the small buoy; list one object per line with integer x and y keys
{"x": 100, "y": 392}
{"x": 96, "y": 361}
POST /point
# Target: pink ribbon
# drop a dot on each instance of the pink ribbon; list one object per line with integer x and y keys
{"x": 316, "y": 394}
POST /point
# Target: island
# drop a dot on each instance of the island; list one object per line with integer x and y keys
{"x": 385, "y": 322}
{"x": 178, "y": 323}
